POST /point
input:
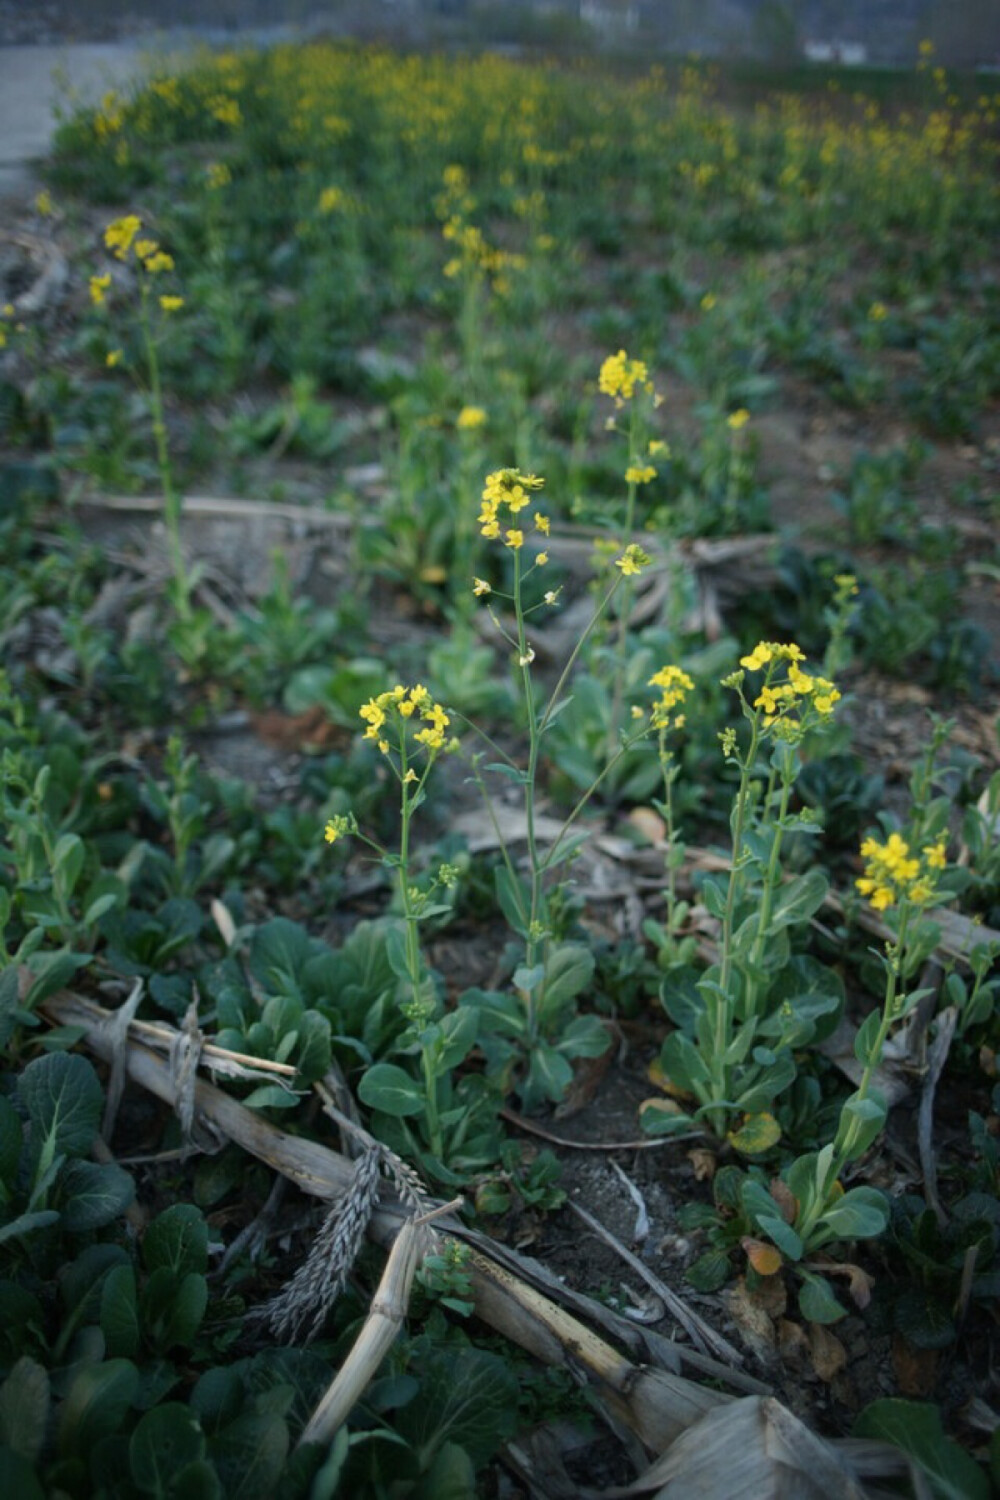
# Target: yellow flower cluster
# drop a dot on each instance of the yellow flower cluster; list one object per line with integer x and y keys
{"x": 639, "y": 474}
{"x": 675, "y": 685}
{"x": 403, "y": 703}
{"x": 779, "y": 700}
{"x": 470, "y": 417}
{"x": 620, "y": 375}
{"x": 340, "y": 827}
{"x": 122, "y": 236}
{"x": 510, "y": 489}
{"x": 632, "y": 560}
{"x": 893, "y": 872}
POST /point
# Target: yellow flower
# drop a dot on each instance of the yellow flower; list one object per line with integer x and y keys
{"x": 480, "y": 586}
{"x": 113, "y": 358}
{"x": 936, "y": 855}
{"x": 469, "y": 418}
{"x": 330, "y": 199}
{"x": 551, "y": 596}
{"x": 217, "y": 175}
{"x": 410, "y": 777}
{"x": 171, "y": 304}
{"x": 878, "y": 312}
{"x": 43, "y": 203}
{"x": 160, "y": 261}
{"x": 632, "y": 560}
{"x": 738, "y": 419}
{"x": 759, "y": 657}
{"x": 659, "y": 449}
{"x": 639, "y": 474}
{"x": 708, "y": 301}
{"x": 514, "y": 539}
{"x": 143, "y": 248}
{"x": 541, "y": 523}
{"x": 120, "y": 233}
{"x": 98, "y": 289}
{"x": 339, "y": 827}
{"x": 620, "y": 375}
{"x": 542, "y": 559}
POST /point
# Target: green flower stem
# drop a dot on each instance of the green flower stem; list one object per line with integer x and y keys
{"x": 413, "y": 964}
{"x": 724, "y": 1008}
{"x": 771, "y": 882}
{"x": 501, "y": 841}
{"x": 171, "y": 498}
{"x": 668, "y": 807}
{"x": 625, "y": 611}
{"x": 534, "y": 734}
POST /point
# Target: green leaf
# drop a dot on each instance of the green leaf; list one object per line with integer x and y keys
{"x": 860, "y": 1214}
{"x": 866, "y": 1041}
{"x": 24, "y": 1408}
{"x": 864, "y": 1118}
{"x": 467, "y": 1398}
{"x": 271, "y": 1096}
{"x": 67, "y": 861}
{"x": 757, "y": 1134}
{"x": 458, "y": 1035}
{"x": 817, "y": 1302}
{"x": 549, "y": 1076}
{"x": 217, "y": 1398}
{"x": 120, "y": 1313}
{"x": 585, "y": 1036}
{"x": 799, "y": 899}
{"x": 249, "y": 1456}
{"x": 177, "y": 1240}
{"x": 710, "y": 1271}
{"x": 27, "y": 1224}
{"x": 82, "y": 1282}
{"x": 387, "y": 1088}
{"x": 94, "y": 1194}
{"x": 165, "y": 1441}
{"x": 923, "y": 1320}
{"x": 63, "y": 1097}
{"x": 502, "y": 1014}
{"x": 450, "y": 1477}
{"x": 568, "y": 970}
{"x": 915, "y": 1427}
{"x": 186, "y": 1313}
{"x": 314, "y": 1052}
{"x": 514, "y": 900}
{"x": 96, "y": 1404}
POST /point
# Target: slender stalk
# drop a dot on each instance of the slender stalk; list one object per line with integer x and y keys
{"x": 171, "y": 498}
{"x": 771, "y": 883}
{"x": 557, "y": 690}
{"x": 625, "y": 611}
{"x": 534, "y": 731}
{"x": 413, "y": 964}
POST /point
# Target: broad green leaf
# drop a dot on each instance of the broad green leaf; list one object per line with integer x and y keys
{"x": 860, "y": 1214}
{"x": 249, "y": 1456}
{"x": 27, "y": 1224}
{"x": 817, "y": 1302}
{"x": 915, "y": 1427}
{"x": 120, "y": 1313}
{"x": 710, "y": 1271}
{"x": 63, "y": 1097}
{"x": 278, "y": 955}
{"x": 94, "y": 1194}
{"x": 217, "y": 1398}
{"x": 96, "y": 1404}
{"x": 24, "y": 1408}
{"x": 799, "y": 899}
{"x": 467, "y": 1397}
{"x": 758, "y": 1133}
{"x": 197, "y": 1481}
{"x": 177, "y": 1239}
{"x": 585, "y": 1036}
{"x": 568, "y": 970}
{"x": 459, "y": 1029}
{"x": 861, "y": 1120}
{"x": 186, "y": 1313}
{"x": 387, "y": 1088}
{"x": 451, "y": 1476}
{"x": 549, "y": 1076}
{"x": 271, "y": 1096}
{"x": 67, "y": 861}
{"x": 81, "y": 1283}
{"x": 923, "y": 1320}
{"x": 314, "y": 1052}
{"x": 165, "y": 1441}
{"x": 498, "y": 1014}
{"x": 514, "y": 900}
{"x": 866, "y": 1041}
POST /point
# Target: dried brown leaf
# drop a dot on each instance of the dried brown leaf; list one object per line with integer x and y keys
{"x": 827, "y": 1353}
